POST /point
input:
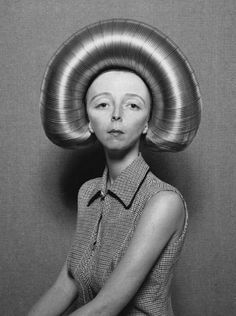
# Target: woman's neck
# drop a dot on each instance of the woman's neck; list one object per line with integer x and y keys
{"x": 117, "y": 162}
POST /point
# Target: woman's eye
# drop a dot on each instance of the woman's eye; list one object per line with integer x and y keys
{"x": 133, "y": 106}
{"x": 102, "y": 105}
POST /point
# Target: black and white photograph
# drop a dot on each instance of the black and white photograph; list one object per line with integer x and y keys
{"x": 118, "y": 154}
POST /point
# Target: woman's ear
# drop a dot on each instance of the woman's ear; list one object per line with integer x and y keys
{"x": 90, "y": 128}
{"x": 145, "y": 128}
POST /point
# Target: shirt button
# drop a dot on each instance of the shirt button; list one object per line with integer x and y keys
{"x": 102, "y": 195}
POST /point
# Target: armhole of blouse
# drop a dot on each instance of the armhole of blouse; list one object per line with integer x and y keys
{"x": 178, "y": 236}
{"x": 70, "y": 252}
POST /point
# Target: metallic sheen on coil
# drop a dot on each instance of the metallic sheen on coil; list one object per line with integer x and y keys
{"x": 121, "y": 44}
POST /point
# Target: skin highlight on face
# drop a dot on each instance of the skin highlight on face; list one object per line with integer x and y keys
{"x": 118, "y": 108}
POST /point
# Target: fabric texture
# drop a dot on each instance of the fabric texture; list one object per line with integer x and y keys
{"x": 107, "y": 217}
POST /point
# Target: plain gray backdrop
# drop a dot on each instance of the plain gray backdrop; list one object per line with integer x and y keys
{"x": 39, "y": 181}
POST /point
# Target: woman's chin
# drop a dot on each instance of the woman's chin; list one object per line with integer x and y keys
{"x": 120, "y": 148}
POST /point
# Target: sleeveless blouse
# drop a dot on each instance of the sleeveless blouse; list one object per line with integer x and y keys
{"x": 106, "y": 221}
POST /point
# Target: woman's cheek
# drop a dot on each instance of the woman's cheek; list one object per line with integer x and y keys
{"x": 140, "y": 125}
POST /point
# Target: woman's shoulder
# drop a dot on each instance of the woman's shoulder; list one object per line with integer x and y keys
{"x": 155, "y": 185}
{"x": 88, "y": 187}
{"x": 167, "y": 199}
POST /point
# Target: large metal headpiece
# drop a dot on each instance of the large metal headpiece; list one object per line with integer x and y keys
{"x": 121, "y": 44}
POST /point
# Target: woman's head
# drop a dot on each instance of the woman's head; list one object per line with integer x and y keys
{"x": 118, "y": 105}
{"x": 121, "y": 44}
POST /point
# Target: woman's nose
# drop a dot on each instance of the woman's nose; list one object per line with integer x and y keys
{"x": 117, "y": 114}
{"x": 116, "y": 118}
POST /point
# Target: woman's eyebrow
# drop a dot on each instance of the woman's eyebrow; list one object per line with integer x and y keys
{"x": 134, "y": 95}
{"x": 99, "y": 94}
{"x": 110, "y": 95}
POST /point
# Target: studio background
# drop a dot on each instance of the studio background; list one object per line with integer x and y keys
{"x": 39, "y": 181}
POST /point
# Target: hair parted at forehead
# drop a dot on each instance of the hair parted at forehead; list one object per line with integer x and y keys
{"x": 121, "y": 44}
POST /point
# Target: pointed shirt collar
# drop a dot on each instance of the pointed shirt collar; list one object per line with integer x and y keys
{"x": 125, "y": 186}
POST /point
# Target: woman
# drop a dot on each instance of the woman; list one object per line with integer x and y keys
{"x": 131, "y": 225}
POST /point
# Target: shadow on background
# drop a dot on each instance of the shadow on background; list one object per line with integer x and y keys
{"x": 79, "y": 167}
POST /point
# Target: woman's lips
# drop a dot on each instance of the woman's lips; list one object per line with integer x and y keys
{"x": 115, "y": 132}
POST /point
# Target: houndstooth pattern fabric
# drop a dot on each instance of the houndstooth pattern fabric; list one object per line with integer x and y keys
{"x": 106, "y": 221}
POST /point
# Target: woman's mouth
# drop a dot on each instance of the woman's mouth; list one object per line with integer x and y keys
{"x": 115, "y": 132}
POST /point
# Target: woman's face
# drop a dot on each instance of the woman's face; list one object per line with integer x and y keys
{"x": 118, "y": 107}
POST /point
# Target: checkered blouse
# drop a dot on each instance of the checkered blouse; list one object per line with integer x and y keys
{"x": 105, "y": 224}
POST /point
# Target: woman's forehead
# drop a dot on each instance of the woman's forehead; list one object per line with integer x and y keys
{"x": 119, "y": 82}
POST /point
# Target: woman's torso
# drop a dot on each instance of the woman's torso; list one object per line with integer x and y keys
{"x": 105, "y": 225}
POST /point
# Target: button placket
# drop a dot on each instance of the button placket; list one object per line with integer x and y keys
{"x": 98, "y": 226}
